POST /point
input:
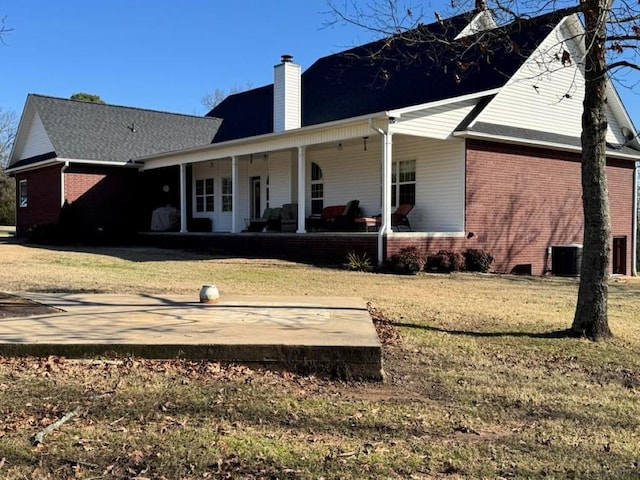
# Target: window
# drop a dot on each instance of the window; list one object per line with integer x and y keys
{"x": 403, "y": 183}
{"x": 204, "y": 195}
{"x": 22, "y": 188}
{"x": 227, "y": 194}
{"x": 317, "y": 189}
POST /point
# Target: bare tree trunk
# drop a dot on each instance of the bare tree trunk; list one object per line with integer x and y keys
{"x": 590, "y": 318}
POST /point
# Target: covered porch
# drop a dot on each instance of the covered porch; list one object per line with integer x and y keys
{"x": 380, "y": 162}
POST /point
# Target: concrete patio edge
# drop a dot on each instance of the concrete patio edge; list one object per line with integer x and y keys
{"x": 335, "y": 335}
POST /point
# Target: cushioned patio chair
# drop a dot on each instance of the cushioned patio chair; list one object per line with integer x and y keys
{"x": 346, "y": 221}
{"x": 258, "y": 224}
{"x": 287, "y": 221}
{"x": 399, "y": 218}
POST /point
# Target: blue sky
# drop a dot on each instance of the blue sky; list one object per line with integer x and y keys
{"x": 168, "y": 54}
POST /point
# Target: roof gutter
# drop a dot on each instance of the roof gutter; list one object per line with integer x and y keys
{"x": 265, "y": 137}
{"x": 67, "y": 162}
{"x": 32, "y": 166}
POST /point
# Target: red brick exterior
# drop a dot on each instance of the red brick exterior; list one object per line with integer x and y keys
{"x": 522, "y": 200}
{"x": 103, "y": 198}
{"x": 43, "y": 198}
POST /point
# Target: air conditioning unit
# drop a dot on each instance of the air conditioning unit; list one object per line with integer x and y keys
{"x": 566, "y": 260}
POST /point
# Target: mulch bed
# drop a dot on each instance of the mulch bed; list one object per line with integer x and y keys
{"x": 16, "y": 307}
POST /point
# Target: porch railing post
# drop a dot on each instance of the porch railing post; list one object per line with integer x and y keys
{"x": 183, "y": 198}
{"x": 234, "y": 189}
{"x": 302, "y": 194}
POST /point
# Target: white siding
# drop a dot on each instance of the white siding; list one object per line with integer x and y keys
{"x": 286, "y": 97}
{"x": 353, "y": 173}
{"x": 440, "y": 179}
{"x": 256, "y": 168}
{"x": 349, "y": 174}
{"x": 37, "y": 141}
{"x": 280, "y": 178}
{"x": 438, "y": 122}
{"x": 546, "y": 95}
{"x": 221, "y": 221}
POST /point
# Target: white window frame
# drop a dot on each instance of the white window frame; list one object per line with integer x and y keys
{"x": 23, "y": 199}
{"x": 397, "y": 182}
{"x": 205, "y": 195}
{"x": 227, "y": 194}
{"x": 319, "y": 181}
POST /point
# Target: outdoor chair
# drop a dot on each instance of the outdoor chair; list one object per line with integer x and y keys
{"x": 346, "y": 222}
{"x": 286, "y": 221}
{"x": 399, "y": 218}
{"x": 259, "y": 224}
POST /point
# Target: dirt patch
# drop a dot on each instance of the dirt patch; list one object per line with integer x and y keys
{"x": 12, "y": 306}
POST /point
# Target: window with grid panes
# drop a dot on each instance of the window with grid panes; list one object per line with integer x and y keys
{"x": 227, "y": 194}
{"x": 204, "y": 195}
{"x": 317, "y": 189}
{"x": 403, "y": 183}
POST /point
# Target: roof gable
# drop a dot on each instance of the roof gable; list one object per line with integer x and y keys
{"x": 89, "y": 131}
{"x": 548, "y": 90}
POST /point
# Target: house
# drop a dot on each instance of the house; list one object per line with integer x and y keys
{"x": 83, "y": 153}
{"x": 484, "y": 142}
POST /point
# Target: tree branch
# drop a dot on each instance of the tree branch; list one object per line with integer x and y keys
{"x": 623, "y": 64}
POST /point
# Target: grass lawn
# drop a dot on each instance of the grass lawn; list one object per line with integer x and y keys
{"x": 478, "y": 387}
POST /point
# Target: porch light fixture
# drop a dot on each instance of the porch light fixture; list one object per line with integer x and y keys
{"x": 340, "y": 146}
{"x": 364, "y": 141}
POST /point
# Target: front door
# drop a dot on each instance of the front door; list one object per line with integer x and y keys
{"x": 619, "y": 255}
{"x": 255, "y": 197}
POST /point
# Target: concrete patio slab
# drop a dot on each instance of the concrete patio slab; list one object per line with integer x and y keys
{"x": 334, "y": 335}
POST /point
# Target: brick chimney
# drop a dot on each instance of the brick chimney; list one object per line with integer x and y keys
{"x": 287, "y": 102}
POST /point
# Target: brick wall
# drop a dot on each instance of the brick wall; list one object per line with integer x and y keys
{"x": 103, "y": 198}
{"x": 43, "y": 194}
{"x": 522, "y": 200}
{"x": 319, "y": 248}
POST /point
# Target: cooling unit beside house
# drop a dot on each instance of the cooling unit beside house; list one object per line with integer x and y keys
{"x": 566, "y": 260}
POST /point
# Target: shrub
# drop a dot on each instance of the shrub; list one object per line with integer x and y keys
{"x": 408, "y": 261}
{"x": 445, "y": 261}
{"x": 358, "y": 263}
{"x": 478, "y": 260}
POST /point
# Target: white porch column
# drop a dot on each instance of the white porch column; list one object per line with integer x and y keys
{"x": 302, "y": 194}
{"x": 183, "y": 198}
{"x": 387, "y": 166}
{"x": 234, "y": 199}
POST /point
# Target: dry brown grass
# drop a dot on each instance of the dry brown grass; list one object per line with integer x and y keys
{"x": 478, "y": 387}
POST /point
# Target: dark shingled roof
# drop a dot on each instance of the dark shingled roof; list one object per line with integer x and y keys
{"x": 91, "y": 131}
{"x": 359, "y": 82}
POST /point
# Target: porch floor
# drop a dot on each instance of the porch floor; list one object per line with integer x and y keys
{"x": 333, "y": 335}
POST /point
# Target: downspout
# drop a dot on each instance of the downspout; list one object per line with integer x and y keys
{"x": 634, "y": 231}
{"x": 385, "y": 227}
{"x": 62, "y": 183}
